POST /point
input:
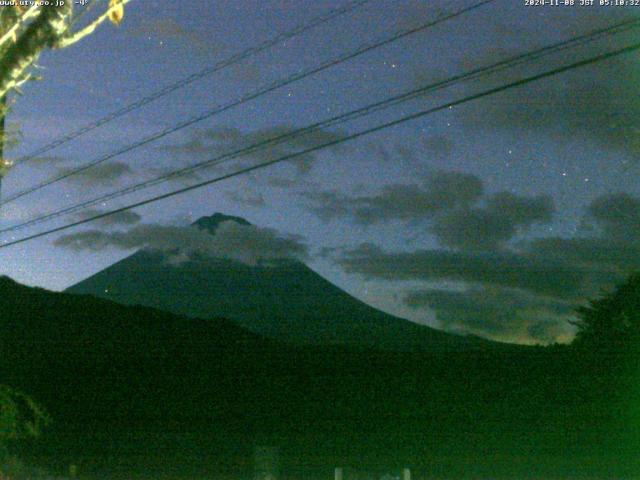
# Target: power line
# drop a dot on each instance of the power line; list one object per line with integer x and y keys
{"x": 350, "y": 137}
{"x": 269, "y": 88}
{"x": 342, "y": 118}
{"x": 183, "y": 82}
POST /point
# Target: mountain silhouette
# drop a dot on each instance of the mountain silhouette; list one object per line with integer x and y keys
{"x": 285, "y": 300}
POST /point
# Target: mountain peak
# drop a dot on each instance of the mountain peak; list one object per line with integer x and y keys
{"x": 210, "y": 224}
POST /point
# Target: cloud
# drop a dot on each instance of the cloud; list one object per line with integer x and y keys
{"x": 448, "y": 202}
{"x": 232, "y": 139}
{"x": 328, "y": 205}
{"x": 523, "y": 290}
{"x": 618, "y": 215}
{"x": 45, "y": 160}
{"x": 244, "y": 243}
{"x": 282, "y": 182}
{"x": 127, "y": 217}
{"x": 248, "y": 72}
{"x": 194, "y": 146}
{"x": 506, "y": 269}
{"x": 249, "y": 199}
{"x": 506, "y": 296}
{"x": 597, "y": 103}
{"x": 440, "y": 191}
{"x": 526, "y": 286}
{"x": 591, "y": 252}
{"x": 215, "y": 142}
{"x": 164, "y": 29}
{"x": 498, "y": 313}
{"x": 102, "y": 174}
{"x": 439, "y": 145}
{"x": 399, "y": 154}
{"x": 491, "y": 226}
{"x": 613, "y": 242}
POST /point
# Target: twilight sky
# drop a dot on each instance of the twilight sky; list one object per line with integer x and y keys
{"x": 496, "y": 217}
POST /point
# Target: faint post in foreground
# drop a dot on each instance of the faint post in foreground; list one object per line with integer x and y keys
{"x": 266, "y": 461}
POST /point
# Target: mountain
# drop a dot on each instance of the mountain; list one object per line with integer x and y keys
{"x": 286, "y": 301}
{"x": 136, "y": 392}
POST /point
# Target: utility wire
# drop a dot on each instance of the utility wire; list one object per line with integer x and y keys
{"x": 361, "y": 133}
{"x": 183, "y": 82}
{"x": 251, "y": 96}
{"x": 342, "y": 118}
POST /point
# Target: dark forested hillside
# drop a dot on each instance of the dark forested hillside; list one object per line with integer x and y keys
{"x": 133, "y": 389}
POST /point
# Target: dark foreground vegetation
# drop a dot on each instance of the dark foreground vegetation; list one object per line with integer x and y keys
{"x": 137, "y": 393}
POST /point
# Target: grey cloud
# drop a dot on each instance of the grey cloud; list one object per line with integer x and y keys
{"x": 531, "y": 285}
{"x": 439, "y": 145}
{"x": 193, "y": 146}
{"x": 243, "y": 243}
{"x": 102, "y": 174}
{"x": 249, "y": 72}
{"x": 519, "y": 210}
{"x": 548, "y": 331}
{"x": 163, "y": 29}
{"x": 449, "y": 201}
{"x": 446, "y": 199}
{"x": 599, "y": 104}
{"x": 497, "y": 313}
{"x": 399, "y": 154}
{"x": 618, "y": 214}
{"x": 233, "y": 139}
{"x": 220, "y": 134}
{"x": 440, "y": 191}
{"x": 592, "y": 252}
{"x": 250, "y": 199}
{"x": 454, "y": 188}
{"x": 328, "y": 205}
{"x": 537, "y": 274}
{"x": 46, "y": 160}
{"x": 489, "y": 227}
{"x": 522, "y": 290}
{"x": 614, "y": 243}
{"x": 282, "y": 182}
{"x": 127, "y": 217}
{"x": 472, "y": 229}
{"x": 396, "y": 202}
{"x": 221, "y": 140}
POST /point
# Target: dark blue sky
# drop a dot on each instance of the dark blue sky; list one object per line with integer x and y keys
{"x": 557, "y": 148}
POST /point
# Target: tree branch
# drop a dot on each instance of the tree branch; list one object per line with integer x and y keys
{"x": 43, "y": 32}
{"x": 89, "y": 29}
{"x": 11, "y": 33}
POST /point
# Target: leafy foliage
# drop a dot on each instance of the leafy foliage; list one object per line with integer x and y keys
{"x": 27, "y": 31}
{"x": 612, "y": 323}
{"x": 20, "y": 417}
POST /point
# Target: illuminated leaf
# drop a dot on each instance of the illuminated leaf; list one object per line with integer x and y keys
{"x": 116, "y": 12}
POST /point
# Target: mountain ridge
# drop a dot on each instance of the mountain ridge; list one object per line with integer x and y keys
{"x": 284, "y": 300}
